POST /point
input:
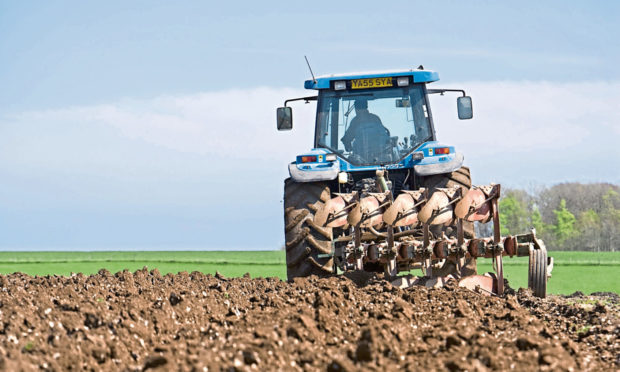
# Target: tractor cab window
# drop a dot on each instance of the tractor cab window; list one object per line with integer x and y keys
{"x": 373, "y": 126}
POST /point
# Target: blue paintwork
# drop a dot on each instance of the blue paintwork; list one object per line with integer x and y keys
{"x": 407, "y": 163}
{"x": 419, "y": 76}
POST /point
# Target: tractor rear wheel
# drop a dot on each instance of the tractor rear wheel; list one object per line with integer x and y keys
{"x": 306, "y": 243}
{"x": 460, "y": 177}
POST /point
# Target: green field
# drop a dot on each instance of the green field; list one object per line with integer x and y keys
{"x": 574, "y": 271}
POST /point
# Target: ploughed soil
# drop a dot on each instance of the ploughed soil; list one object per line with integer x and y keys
{"x": 196, "y": 322}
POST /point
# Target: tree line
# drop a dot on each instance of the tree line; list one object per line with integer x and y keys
{"x": 567, "y": 216}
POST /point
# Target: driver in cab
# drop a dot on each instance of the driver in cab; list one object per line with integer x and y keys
{"x": 366, "y": 135}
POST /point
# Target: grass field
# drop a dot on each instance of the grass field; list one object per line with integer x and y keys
{"x": 574, "y": 271}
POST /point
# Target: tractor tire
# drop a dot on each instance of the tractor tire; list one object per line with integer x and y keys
{"x": 460, "y": 177}
{"x": 537, "y": 273}
{"x": 305, "y": 241}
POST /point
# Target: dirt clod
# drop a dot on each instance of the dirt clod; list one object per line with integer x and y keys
{"x": 154, "y": 362}
{"x": 146, "y": 321}
{"x": 174, "y": 299}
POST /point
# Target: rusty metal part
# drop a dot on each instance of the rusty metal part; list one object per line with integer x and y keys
{"x": 404, "y": 210}
{"x": 485, "y": 284}
{"x": 335, "y": 211}
{"x": 476, "y": 205}
{"x": 429, "y": 253}
{"x": 369, "y": 210}
{"x": 397, "y": 235}
{"x": 438, "y": 210}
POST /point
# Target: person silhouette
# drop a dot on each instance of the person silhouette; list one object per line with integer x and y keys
{"x": 366, "y": 135}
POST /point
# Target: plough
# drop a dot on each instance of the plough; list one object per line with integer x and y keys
{"x": 396, "y": 234}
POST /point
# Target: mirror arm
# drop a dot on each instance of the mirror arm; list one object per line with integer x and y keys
{"x": 442, "y": 91}
{"x": 307, "y": 99}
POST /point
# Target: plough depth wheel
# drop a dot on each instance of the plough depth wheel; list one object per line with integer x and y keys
{"x": 537, "y": 273}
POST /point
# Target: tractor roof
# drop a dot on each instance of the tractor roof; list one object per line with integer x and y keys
{"x": 419, "y": 76}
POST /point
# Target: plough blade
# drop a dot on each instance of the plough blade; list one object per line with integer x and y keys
{"x": 335, "y": 211}
{"x": 438, "y": 210}
{"x": 369, "y": 210}
{"x": 476, "y": 204}
{"x": 404, "y": 210}
{"x": 484, "y": 284}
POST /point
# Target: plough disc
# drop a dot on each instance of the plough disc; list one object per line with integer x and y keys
{"x": 476, "y": 204}
{"x": 484, "y": 284}
{"x": 404, "y": 210}
{"x": 438, "y": 210}
{"x": 334, "y": 212}
{"x": 369, "y": 211}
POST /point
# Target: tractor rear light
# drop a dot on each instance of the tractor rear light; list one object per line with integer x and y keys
{"x": 330, "y": 157}
{"x": 308, "y": 159}
{"x": 402, "y": 81}
{"x": 340, "y": 85}
{"x": 442, "y": 150}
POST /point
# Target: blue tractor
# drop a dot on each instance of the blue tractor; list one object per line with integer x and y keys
{"x": 379, "y": 192}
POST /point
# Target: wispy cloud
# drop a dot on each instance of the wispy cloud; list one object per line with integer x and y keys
{"x": 234, "y": 123}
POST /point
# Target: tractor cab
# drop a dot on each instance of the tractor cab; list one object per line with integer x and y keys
{"x": 375, "y": 119}
{"x": 374, "y": 126}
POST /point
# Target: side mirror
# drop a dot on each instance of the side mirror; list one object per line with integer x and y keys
{"x": 284, "y": 118}
{"x": 464, "y": 107}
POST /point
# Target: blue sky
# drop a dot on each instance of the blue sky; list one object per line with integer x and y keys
{"x": 137, "y": 125}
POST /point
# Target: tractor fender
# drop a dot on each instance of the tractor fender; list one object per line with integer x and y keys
{"x": 314, "y": 173}
{"x": 440, "y": 167}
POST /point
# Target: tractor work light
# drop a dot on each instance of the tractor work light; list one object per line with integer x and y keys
{"x": 340, "y": 85}
{"x": 330, "y": 157}
{"x": 418, "y": 155}
{"x": 402, "y": 81}
{"x": 442, "y": 150}
{"x": 308, "y": 159}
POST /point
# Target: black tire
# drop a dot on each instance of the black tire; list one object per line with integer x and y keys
{"x": 537, "y": 273}
{"x": 460, "y": 177}
{"x": 305, "y": 241}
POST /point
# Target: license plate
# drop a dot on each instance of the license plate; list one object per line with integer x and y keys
{"x": 371, "y": 83}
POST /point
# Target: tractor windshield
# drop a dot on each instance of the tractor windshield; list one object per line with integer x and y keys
{"x": 373, "y": 126}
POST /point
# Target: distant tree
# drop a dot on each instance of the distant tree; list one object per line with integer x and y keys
{"x": 589, "y": 227}
{"x": 579, "y": 198}
{"x": 537, "y": 222}
{"x": 610, "y": 221}
{"x": 567, "y": 216}
{"x": 564, "y": 227}
{"x": 513, "y": 213}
